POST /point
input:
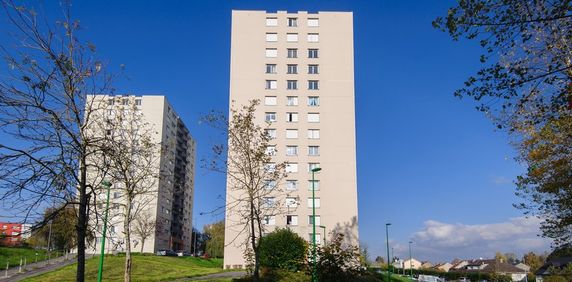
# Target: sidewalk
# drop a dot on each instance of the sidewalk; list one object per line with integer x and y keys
{"x": 215, "y": 276}
{"x": 33, "y": 269}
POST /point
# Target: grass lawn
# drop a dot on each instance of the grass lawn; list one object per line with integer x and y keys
{"x": 145, "y": 268}
{"x": 13, "y": 255}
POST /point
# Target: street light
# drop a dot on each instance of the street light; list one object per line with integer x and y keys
{"x": 314, "y": 278}
{"x": 410, "y": 261}
{"x": 324, "y": 228}
{"x": 387, "y": 242}
{"x": 107, "y": 185}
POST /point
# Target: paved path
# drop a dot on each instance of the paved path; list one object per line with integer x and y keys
{"x": 34, "y": 269}
{"x": 221, "y": 275}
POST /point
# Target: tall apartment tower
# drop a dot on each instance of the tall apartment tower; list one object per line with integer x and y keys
{"x": 300, "y": 66}
{"x": 169, "y": 205}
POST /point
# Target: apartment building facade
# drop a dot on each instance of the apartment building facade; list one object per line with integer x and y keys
{"x": 168, "y": 204}
{"x": 300, "y": 66}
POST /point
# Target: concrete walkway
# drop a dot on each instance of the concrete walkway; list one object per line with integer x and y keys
{"x": 221, "y": 275}
{"x": 34, "y": 269}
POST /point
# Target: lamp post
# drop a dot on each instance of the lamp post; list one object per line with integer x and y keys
{"x": 387, "y": 243}
{"x": 314, "y": 278}
{"x": 324, "y": 229}
{"x": 107, "y": 185}
{"x": 410, "y": 261}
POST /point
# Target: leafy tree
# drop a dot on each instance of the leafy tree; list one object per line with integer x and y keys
{"x": 500, "y": 257}
{"x": 63, "y": 233}
{"x": 283, "y": 249}
{"x": 379, "y": 260}
{"x": 533, "y": 260}
{"x": 249, "y": 168}
{"x": 525, "y": 86}
{"x": 44, "y": 149}
{"x": 215, "y": 239}
{"x": 337, "y": 262}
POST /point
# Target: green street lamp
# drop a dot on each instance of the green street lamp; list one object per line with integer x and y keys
{"x": 387, "y": 243}
{"x": 107, "y": 185}
{"x": 314, "y": 278}
{"x": 324, "y": 229}
{"x": 410, "y": 261}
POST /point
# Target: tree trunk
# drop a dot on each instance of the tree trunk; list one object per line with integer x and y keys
{"x": 81, "y": 222}
{"x": 255, "y": 274}
{"x": 142, "y": 244}
{"x": 127, "y": 274}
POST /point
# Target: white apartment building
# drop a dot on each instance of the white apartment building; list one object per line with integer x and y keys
{"x": 169, "y": 205}
{"x": 300, "y": 66}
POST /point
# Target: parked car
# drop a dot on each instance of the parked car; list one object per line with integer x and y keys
{"x": 182, "y": 253}
{"x": 169, "y": 253}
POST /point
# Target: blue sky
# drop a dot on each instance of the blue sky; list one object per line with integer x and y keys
{"x": 428, "y": 162}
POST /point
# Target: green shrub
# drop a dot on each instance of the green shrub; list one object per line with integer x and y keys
{"x": 283, "y": 249}
{"x": 338, "y": 262}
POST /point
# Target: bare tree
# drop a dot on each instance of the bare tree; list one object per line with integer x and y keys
{"x": 132, "y": 154}
{"x": 144, "y": 226}
{"x": 252, "y": 175}
{"x": 44, "y": 114}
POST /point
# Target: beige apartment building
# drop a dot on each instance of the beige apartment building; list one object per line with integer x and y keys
{"x": 169, "y": 201}
{"x": 300, "y": 66}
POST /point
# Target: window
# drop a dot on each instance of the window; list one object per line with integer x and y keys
{"x": 291, "y": 184}
{"x": 313, "y": 134}
{"x": 291, "y": 133}
{"x": 271, "y": 22}
{"x": 313, "y": 101}
{"x": 312, "y": 53}
{"x": 268, "y": 202}
{"x": 292, "y": 37}
{"x": 311, "y": 219}
{"x": 110, "y": 102}
{"x": 315, "y": 200}
{"x": 292, "y": 22}
{"x": 291, "y": 117}
{"x": 112, "y": 229}
{"x": 291, "y": 202}
{"x": 270, "y": 167}
{"x": 272, "y": 37}
{"x": 318, "y": 238}
{"x": 269, "y": 184}
{"x": 313, "y": 184}
{"x": 292, "y": 101}
{"x": 312, "y": 22}
{"x": 271, "y": 150}
{"x": 269, "y": 220}
{"x": 271, "y": 52}
{"x": 271, "y": 84}
{"x": 313, "y": 117}
{"x": 313, "y": 37}
{"x": 271, "y": 133}
{"x": 116, "y": 195}
{"x": 292, "y": 84}
{"x": 270, "y": 117}
{"x": 125, "y": 102}
{"x": 291, "y": 150}
{"x": 313, "y": 69}
{"x": 138, "y": 102}
{"x": 270, "y": 100}
{"x": 270, "y": 68}
{"x": 313, "y": 166}
{"x": 313, "y": 150}
{"x": 291, "y": 220}
{"x": 292, "y": 53}
{"x": 313, "y": 84}
{"x": 292, "y": 167}
{"x": 292, "y": 69}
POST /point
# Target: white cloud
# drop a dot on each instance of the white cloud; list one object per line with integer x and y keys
{"x": 439, "y": 241}
{"x": 500, "y": 180}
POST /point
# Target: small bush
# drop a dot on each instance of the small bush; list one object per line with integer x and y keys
{"x": 339, "y": 263}
{"x": 283, "y": 249}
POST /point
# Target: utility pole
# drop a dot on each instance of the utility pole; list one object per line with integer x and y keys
{"x": 387, "y": 243}
{"x": 107, "y": 185}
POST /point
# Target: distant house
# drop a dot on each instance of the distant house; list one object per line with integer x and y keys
{"x": 426, "y": 264}
{"x": 443, "y": 267}
{"x": 413, "y": 263}
{"x": 557, "y": 263}
{"x": 523, "y": 266}
{"x": 494, "y": 266}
